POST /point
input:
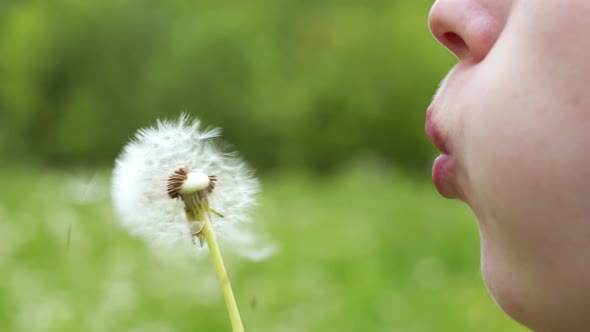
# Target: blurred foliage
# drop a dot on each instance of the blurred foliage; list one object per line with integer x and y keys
{"x": 383, "y": 263}
{"x": 298, "y": 84}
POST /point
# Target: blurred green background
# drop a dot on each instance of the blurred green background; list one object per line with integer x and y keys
{"x": 326, "y": 99}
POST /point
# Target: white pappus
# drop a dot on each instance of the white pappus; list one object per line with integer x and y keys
{"x": 142, "y": 175}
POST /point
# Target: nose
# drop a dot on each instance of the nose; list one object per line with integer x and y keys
{"x": 468, "y": 28}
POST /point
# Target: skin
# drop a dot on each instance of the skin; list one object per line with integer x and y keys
{"x": 515, "y": 115}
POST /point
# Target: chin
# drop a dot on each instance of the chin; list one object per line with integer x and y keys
{"x": 531, "y": 299}
{"x": 500, "y": 285}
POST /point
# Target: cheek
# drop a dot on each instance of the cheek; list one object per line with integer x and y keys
{"x": 526, "y": 128}
{"x": 527, "y": 120}
{"x": 526, "y": 154}
{"x": 525, "y": 138}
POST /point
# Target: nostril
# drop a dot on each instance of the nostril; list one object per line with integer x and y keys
{"x": 454, "y": 39}
{"x": 454, "y": 42}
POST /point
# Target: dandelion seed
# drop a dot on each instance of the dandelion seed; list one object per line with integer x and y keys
{"x": 83, "y": 189}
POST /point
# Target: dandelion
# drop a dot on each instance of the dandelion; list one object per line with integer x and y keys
{"x": 173, "y": 185}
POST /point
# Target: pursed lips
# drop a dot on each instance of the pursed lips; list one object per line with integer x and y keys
{"x": 443, "y": 169}
{"x": 434, "y": 134}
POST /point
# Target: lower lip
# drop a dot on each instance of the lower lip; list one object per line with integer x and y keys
{"x": 442, "y": 175}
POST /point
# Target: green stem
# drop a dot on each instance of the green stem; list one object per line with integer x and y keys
{"x": 230, "y": 301}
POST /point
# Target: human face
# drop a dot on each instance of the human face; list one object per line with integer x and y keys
{"x": 512, "y": 119}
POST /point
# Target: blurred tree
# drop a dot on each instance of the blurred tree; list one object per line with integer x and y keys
{"x": 293, "y": 84}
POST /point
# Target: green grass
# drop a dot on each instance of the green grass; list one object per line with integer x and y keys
{"x": 358, "y": 251}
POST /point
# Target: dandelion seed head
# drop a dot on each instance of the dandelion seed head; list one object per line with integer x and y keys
{"x": 143, "y": 183}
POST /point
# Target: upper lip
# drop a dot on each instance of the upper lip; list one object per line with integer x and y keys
{"x": 434, "y": 134}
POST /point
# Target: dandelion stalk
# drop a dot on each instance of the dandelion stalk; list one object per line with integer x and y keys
{"x": 230, "y": 301}
{"x": 194, "y": 189}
